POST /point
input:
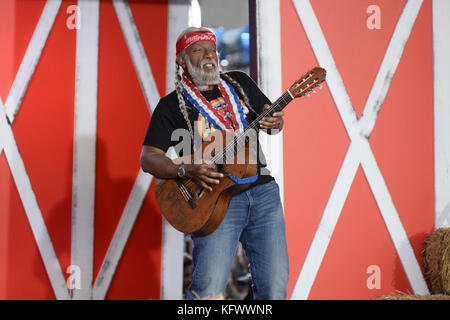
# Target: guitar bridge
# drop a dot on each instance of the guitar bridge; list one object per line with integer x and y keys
{"x": 186, "y": 194}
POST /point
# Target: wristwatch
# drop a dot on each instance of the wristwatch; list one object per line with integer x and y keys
{"x": 181, "y": 173}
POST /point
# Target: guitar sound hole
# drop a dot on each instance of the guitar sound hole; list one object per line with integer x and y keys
{"x": 200, "y": 192}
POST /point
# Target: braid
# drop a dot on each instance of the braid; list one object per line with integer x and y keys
{"x": 181, "y": 102}
{"x": 238, "y": 86}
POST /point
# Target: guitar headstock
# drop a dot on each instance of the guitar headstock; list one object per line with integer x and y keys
{"x": 312, "y": 79}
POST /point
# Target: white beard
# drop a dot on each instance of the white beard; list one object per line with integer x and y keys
{"x": 201, "y": 78}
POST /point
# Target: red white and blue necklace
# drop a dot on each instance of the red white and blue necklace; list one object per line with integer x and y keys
{"x": 232, "y": 120}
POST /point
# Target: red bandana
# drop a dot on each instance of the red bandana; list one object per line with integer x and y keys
{"x": 193, "y": 37}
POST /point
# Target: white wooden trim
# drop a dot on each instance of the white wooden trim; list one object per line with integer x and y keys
{"x": 388, "y": 66}
{"x": 84, "y": 153}
{"x": 359, "y": 133}
{"x": 269, "y": 79}
{"x": 173, "y": 240}
{"x": 441, "y": 48}
{"x": 138, "y": 55}
{"x": 172, "y": 259}
{"x": 177, "y": 21}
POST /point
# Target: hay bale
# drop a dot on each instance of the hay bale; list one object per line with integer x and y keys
{"x": 404, "y": 296}
{"x": 436, "y": 256}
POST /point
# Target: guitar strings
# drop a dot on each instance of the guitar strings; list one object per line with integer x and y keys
{"x": 276, "y": 104}
{"x": 238, "y": 140}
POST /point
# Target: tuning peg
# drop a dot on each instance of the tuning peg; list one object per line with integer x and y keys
{"x": 320, "y": 85}
{"x": 307, "y": 95}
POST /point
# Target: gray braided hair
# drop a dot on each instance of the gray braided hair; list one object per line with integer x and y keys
{"x": 181, "y": 102}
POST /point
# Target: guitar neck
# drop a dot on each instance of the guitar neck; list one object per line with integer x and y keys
{"x": 312, "y": 79}
{"x": 277, "y": 106}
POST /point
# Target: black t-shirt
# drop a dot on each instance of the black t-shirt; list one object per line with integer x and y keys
{"x": 167, "y": 118}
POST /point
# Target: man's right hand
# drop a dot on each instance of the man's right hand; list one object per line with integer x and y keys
{"x": 155, "y": 162}
{"x": 205, "y": 175}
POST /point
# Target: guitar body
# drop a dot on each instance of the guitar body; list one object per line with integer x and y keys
{"x": 206, "y": 209}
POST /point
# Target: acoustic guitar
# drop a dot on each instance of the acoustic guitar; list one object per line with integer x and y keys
{"x": 191, "y": 209}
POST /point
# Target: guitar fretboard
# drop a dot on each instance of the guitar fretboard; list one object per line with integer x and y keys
{"x": 251, "y": 132}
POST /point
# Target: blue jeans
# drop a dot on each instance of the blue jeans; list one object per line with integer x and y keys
{"x": 255, "y": 218}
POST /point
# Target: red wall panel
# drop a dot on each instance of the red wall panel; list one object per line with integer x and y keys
{"x": 43, "y": 130}
{"x": 315, "y": 143}
{"x": 122, "y": 121}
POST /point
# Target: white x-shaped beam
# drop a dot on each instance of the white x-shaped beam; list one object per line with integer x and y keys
{"x": 359, "y": 151}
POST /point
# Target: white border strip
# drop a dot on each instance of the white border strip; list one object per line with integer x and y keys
{"x": 31, "y": 207}
{"x": 143, "y": 180}
{"x": 441, "y": 46}
{"x": 172, "y": 255}
{"x": 84, "y": 153}
{"x": 269, "y": 79}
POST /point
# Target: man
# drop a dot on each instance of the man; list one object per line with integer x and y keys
{"x": 204, "y": 101}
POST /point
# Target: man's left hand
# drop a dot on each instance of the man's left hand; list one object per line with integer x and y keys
{"x": 273, "y": 122}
